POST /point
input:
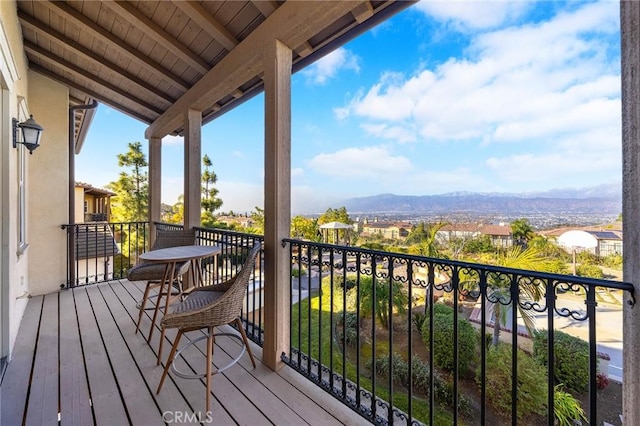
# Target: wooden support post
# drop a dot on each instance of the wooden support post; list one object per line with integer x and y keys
{"x": 277, "y": 201}
{"x": 155, "y": 185}
{"x": 192, "y": 168}
{"x": 630, "y": 33}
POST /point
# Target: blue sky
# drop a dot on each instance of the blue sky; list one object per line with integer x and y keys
{"x": 497, "y": 96}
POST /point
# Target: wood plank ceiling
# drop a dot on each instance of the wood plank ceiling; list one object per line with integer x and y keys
{"x": 142, "y": 57}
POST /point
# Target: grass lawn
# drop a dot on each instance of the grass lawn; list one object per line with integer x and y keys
{"x": 315, "y": 337}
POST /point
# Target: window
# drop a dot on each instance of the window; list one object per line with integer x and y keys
{"x": 86, "y": 206}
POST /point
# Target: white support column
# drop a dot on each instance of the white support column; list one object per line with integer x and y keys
{"x": 192, "y": 168}
{"x": 155, "y": 184}
{"x": 630, "y": 33}
{"x": 277, "y": 201}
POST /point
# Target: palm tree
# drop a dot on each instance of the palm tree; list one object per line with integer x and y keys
{"x": 428, "y": 245}
{"x": 522, "y": 231}
{"x": 380, "y": 305}
{"x": 499, "y": 290}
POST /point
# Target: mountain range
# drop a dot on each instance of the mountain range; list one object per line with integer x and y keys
{"x": 602, "y": 199}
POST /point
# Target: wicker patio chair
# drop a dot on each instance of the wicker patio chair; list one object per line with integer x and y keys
{"x": 205, "y": 308}
{"x": 153, "y": 273}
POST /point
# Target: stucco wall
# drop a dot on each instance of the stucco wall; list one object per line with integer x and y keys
{"x": 15, "y": 264}
{"x": 48, "y": 192}
{"x": 79, "y": 207}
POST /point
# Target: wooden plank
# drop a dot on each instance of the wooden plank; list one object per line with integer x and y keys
{"x": 193, "y": 390}
{"x": 309, "y": 408}
{"x": 75, "y": 400}
{"x": 226, "y": 396}
{"x": 136, "y": 396}
{"x": 301, "y": 399}
{"x": 15, "y": 384}
{"x": 105, "y": 396}
{"x": 268, "y": 400}
{"x": 43, "y": 395}
{"x": 170, "y": 400}
{"x": 242, "y": 410}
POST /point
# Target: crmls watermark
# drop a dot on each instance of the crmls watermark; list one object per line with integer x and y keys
{"x": 178, "y": 417}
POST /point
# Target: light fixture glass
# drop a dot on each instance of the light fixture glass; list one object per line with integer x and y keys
{"x": 30, "y": 132}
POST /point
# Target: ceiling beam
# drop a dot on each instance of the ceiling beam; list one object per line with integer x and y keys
{"x": 265, "y": 7}
{"x": 105, "y": 66}
{"x": 54, "y": 60}
{"x": 208, "y": 23}
{"x": 363, "y": 12}
{"x": 158, "y": 34}
{"x": 293, "y": 23}
{"x": 64, "y": 81}
{"x": 89, "y": 27}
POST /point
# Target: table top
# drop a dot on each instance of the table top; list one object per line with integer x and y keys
{"x": 180, "y": 253}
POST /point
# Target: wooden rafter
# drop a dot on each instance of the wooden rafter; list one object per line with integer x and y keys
{"x": 89, "y": 27}
{"x": 100, "y": 62}
{"x": 69, "y": 67}
{"x": 155, "y": 32}
{"x": 208, "y": 23}
{"x": 91, "y": 93}
{"x": 265, "y": 7}
{"x": 245, "y": 61}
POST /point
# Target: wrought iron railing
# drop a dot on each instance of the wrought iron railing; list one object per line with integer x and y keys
{"x": 368, "y": 327}
{"x": 98, "y": 252}
{"x": 235, "y": 247}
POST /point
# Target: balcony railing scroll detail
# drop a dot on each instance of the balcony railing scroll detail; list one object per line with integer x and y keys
{"x": 369, "y": 328}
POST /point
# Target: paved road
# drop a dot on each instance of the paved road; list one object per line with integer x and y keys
{"x": 608, "y": 328}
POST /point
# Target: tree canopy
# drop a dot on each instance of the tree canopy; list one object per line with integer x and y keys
{"x": 522, "y": 231}
{"x": 334, "y": 215}
{"x": 132, "y": 187}
{"x": 210, "y": 200}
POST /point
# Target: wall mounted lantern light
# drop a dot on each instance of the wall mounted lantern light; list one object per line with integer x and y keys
{"x": 29, "y": 131}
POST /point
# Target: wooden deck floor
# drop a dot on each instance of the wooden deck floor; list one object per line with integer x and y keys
{"x": 77, "y": 361}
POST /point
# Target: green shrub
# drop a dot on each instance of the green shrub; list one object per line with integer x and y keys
{"x": 571, "y": 364}
{"x": 419, "y": 319}
{"x": 613, "y": 261}
{"x": 443, "y": 391}
{"x": 586, "y": 258}
{"x": 532, "y": 382}
{"x": 441, "y": 309}
{"x": 590, "y": 271}
{"x": 566, "y": 408}
{"x": 443, "y": 339}
{"x": 350, "y": 326}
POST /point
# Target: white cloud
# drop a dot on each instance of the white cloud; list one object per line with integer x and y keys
{"x": 551, "y": 87}
{"x": 396, "y": 133}
{"x": 242, "y": 197}
{"x": 471, "y": 14}
{"x": 355, "y": 163}
{"x": 170, "y": 140}
{"x": 328, "y": 66}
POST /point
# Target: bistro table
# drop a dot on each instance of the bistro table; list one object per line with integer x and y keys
{"x": 171, "y": 256}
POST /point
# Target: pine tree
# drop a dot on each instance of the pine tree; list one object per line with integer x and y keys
{"x": 132, "y": 187}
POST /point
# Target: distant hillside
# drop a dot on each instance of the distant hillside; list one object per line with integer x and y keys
{"x": 605, "y": 199}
